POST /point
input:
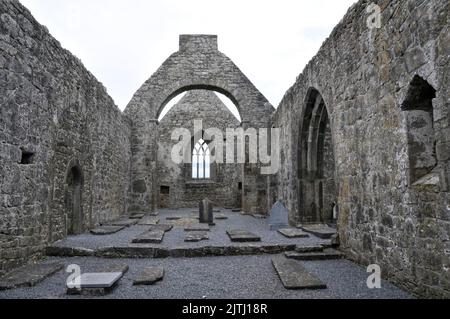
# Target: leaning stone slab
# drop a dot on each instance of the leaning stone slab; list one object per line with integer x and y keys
{"x": 29, "y": 276}
{"x": 150, "y": 237}
{"x": 149, "y": 276}
{"x": 196, "y": 236}
{"x": 95, "y": 283}
{"x": 295, "y": 276}
{"x": 293, "y": 233}
{"x": 197, "y": 227}
{"x": 125, "y": 223}
{"x": 149, "y": 221}
{"x": 106, "y": 230}
{"x": 242, "y": 236}
{"x": 320, "y": 230}
{"x": 206, "y": 212}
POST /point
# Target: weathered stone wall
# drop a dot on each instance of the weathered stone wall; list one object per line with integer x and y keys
{"x": 54, "y": 117}
{"x": 364, "y": 76}
{"x": 223, "y": 186}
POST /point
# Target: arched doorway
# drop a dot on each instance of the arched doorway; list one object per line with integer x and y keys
{"x": 317, "y": 188}
{"x": 74, "y": 209}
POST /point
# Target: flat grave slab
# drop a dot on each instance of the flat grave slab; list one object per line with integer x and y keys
{"x": 149, "y": 276}
{"x": 150, "y": 237}
{"x": 326, "y": 254}
{"x": 29, "y": 276}
{"x": 162, "y": 227}
{"x": 95, "y": 283}
{"x": 221, "y": 217}
{"x": 137, "y": 216}
{"x": 319, "y": 230}
{"x": 106, "y": 230}
{"x": 123, "y": 222}
{"x": 149, "y": 221}
{"x": 236, "y": 210}
{"x": 293, "y": 233}
{"x": 154, "y": 214}
{"x": 242, "y": 236}
{"x": 197, "y": 227}
{"x": 174, "y": 218}
{"x": 294, "y": 276}
{"x": 309, "y": 249}
{"x": 196, "y": 236}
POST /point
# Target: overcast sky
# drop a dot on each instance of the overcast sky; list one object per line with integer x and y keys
{"x": 123, "y": 42}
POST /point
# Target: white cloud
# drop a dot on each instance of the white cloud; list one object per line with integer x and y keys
{"x": 124, "y": 42}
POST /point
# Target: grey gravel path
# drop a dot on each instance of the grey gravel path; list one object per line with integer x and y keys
{"x": 176, "y": 237}
{"x": 216, "y": 278}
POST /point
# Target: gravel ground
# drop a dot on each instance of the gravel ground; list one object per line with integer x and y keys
{"x": 176, "y": 237}
{"x": 216, "y": 278}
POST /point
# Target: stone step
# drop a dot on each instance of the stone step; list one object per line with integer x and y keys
{"x": 29, "y": 276}
{"x": 163, "y": 227}
{"x": 150, "y": 237}
{"x": 156, "y": 251}
{"x": 294, "y": 276}
{"x": 319, "y": 230}
{"x": 327, "y": 254}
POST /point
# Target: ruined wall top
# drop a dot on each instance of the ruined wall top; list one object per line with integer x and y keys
{"x": 198, "y": 42}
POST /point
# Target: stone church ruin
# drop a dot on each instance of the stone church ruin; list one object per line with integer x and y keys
{"x": 364, "y": 144}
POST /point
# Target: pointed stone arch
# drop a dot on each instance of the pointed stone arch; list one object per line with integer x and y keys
{"x": 197, "y": 65}
{"x": 74, "y": 198}
{"x": 316, "y": 165}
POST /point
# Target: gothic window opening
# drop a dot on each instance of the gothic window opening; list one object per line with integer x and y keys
{"x": 201, "y": 161}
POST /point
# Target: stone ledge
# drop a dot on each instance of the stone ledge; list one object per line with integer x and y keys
{"x": 149, "y": 251}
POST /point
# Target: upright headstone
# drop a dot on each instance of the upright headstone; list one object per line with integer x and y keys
{"x": 279, "y": 217}
{"x": 206, "y": 212}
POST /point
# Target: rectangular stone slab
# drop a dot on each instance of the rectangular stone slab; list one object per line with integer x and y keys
{"x": 106, "y": 230}
{"x": 293, "y": 233}
{"x": 309, "y": 249}
{"x": 327, "y": 254}
{"x": 321, "y": 231}
{"x": 96, "y": 283}
{"x": 125, "y": 222}
{"x": 137, "y": 216}
{"x": 149, "y": 221}
{"x": 29, "y": 276}
{"x": 150, "y": 237}
{"x": 197, "y": 227}
{"x": 220, "y": 217}
{"x": 162, "y": 227}
{"x": 294, "y": 276}
{"x": 173, "y": 218}
{"x": 196, "y": 236}
{"x": 149, "y": 276}
{"x": 242, "y": 236}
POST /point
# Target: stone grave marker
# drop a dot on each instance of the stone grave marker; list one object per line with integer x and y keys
{"x": 206, "y": 212}
{"x": 279, "y": 217}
